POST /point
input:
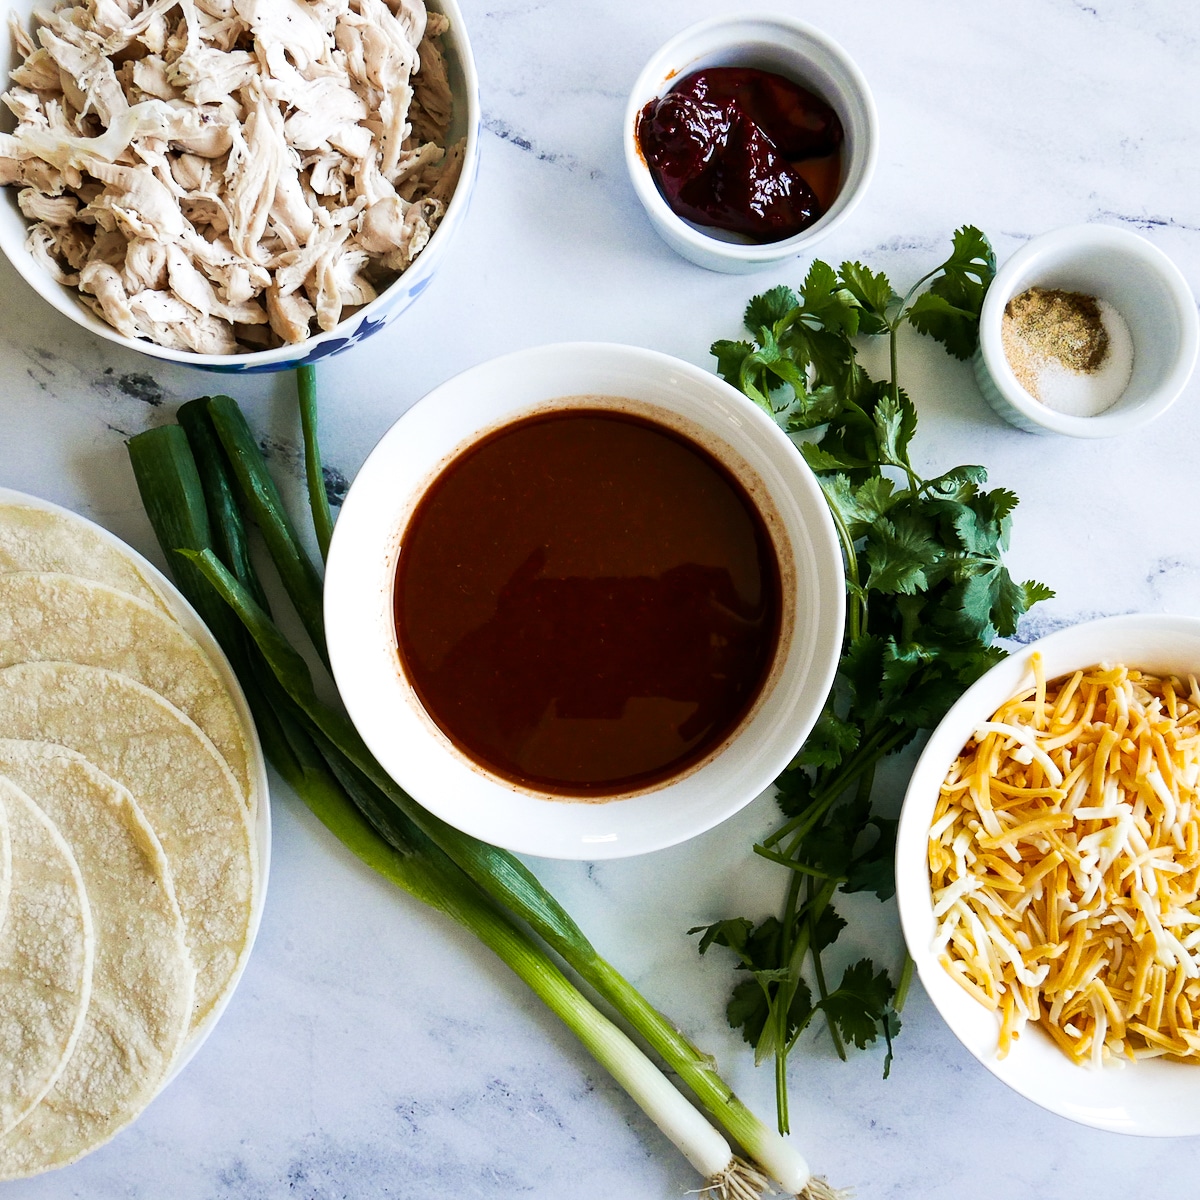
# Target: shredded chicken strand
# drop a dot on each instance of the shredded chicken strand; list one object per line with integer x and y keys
{"x": 224, "y": 176}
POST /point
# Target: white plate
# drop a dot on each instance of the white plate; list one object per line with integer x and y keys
{"x": 186, "y": 615}
{"x": 362, "y": 559}
{"x": 1155, "y": 1097}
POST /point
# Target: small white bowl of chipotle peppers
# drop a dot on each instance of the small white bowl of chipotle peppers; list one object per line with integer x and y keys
{"x": 748, "y": 138}
{"x": 584, "y": 601}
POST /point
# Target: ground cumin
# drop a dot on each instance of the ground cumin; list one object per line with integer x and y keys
{"x": 1044, "y": 325}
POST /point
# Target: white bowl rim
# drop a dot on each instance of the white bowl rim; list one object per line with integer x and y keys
{"x": 191, "y": 623}
{"x": 284, "y": 357}
{"x": 649, "y": 83}
{"x": 375, "y": 692}
{"x": 1035, "y": 1067}
{"x": 1089, "y": 236}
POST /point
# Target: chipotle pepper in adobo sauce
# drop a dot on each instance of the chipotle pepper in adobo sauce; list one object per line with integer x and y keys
{"x": 586, "y": 603}
{"x": 745, "y": 150}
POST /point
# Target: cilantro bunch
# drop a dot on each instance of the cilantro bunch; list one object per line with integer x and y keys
{"x": 928, "y": 593}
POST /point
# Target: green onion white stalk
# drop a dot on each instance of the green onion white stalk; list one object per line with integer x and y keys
{"x": 186, "y": 477}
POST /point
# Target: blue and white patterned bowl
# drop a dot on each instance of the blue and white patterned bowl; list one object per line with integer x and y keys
{"x": 369, "y": 319}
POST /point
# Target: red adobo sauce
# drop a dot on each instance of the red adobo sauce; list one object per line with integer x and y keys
{"x": 745, "y": 150}
{"x": 586, "y": 602}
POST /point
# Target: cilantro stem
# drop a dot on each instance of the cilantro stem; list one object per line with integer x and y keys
{"x": 784, "y": 861}
{"x": 878, "y": 745}
{"x": 893, "y": 349}
{"x": 856, "y": 610}
{"x": 802, "y": 824}
{"x": 785, "y": 992}
{"x": 902, "y": 313}
{"x": 796, "y": 937}
{"x": 819, "y": 971}
{"x": 906, "y": 974}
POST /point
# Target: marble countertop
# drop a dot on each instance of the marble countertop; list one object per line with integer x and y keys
{"x": 373, "y": 1049}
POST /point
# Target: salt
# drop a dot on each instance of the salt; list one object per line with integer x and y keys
{"x": 1089, "y": 393}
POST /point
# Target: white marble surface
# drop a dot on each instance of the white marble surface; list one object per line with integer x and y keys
{"x": 372, "y": 1049}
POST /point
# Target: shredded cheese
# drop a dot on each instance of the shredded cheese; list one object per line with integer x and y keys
{"x": 1064, "y": 857}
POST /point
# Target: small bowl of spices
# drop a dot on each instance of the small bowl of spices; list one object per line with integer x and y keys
{"x": 1088, "y": 331}
{"x": 748, "y": 138}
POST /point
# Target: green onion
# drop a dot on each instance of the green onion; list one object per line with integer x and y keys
{"x": 300, "y": 577}
{"x": 174, "y": 500}
{"x": 228, "y": 531}
{"x": 318, "y": 751}
{"x": 318, "y": 497}
{"x": 435, "y": 881}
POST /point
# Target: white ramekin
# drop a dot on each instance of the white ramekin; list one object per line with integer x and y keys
{"x": 1140, "y": 282}
{"x": 773, "y": 42}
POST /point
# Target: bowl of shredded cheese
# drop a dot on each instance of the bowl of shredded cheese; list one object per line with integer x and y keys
{"x": 1048, "y": 872}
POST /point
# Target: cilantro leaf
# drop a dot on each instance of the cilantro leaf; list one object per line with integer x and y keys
{"x": 793, "y": 790}
{"x": 874, "y": 870}
{"x": 826, "y": 928}
{"x": 957, "y": 485}
{"x": 813, "y": 406}
{"x": 769, "y": 308}
{"x": 749, "y": 1009}
{"x": 936, "y": 317}
{"x": 828, "y": 456}
{"x": 733, "y": 933}
{"x": 1036, "y": 592}
{"x": 949, "y": 311}
{"x": 831, "y": 740}
{"x": 860, "y": 1002}
{"x": 895, "y": 423}
{"x": 891, "y": 1027}
{"x": 730, "y": 356}
{"x": 872, "y": 290}
{"x": 876, "y": 497}
{"x": 900, "y": 552}
{"x": 976, "y": 533}
{"x": 826, "y": 303}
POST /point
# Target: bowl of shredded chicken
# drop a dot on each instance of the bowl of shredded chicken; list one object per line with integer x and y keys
{"x": 1048, "y": 872}
{"x": 240, "y": 184}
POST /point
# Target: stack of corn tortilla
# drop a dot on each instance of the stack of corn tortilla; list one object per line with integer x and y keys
{"x": 128, "y": 864}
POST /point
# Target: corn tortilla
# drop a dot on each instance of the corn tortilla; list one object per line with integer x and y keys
{"x": 142, "y": 976}
{"x": 49, "y": 617}
{"x": 182, "y": 785}
{"x": 46, "y": 952}
{"x": 34, "y": 539}
{"x": 5, "y": 866}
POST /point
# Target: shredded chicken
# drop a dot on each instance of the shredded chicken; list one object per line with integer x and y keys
{"x": 229, "y": 175}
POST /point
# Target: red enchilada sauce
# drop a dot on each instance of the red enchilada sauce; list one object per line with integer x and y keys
{"x": 586, "y": 602}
